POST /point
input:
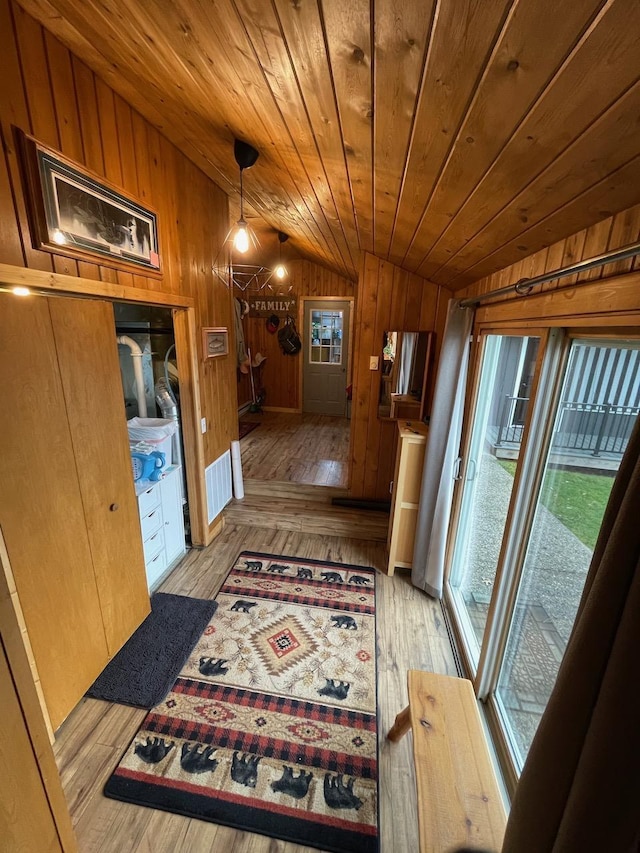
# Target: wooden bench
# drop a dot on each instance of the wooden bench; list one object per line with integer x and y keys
{"x": 459, "y": 801}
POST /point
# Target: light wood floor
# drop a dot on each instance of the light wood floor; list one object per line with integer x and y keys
{"x": 411, "y": 635}
{"x": 309, "y": 449}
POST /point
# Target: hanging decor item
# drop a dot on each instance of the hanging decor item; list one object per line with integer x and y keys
{"x": 245, "y": 155}
{"x": 75, "y": 213}
{"x": 288, "y": 337}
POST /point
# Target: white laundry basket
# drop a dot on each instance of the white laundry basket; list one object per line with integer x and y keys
{"x": 156, "y": 431}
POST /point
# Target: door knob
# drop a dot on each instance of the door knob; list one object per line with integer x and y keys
{"x": 114, "y": 507}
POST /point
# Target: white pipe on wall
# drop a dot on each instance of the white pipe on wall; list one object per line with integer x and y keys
{"x": 136, "y": 355}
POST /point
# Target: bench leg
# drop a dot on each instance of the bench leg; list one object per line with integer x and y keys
{"x": 401, "y": 725}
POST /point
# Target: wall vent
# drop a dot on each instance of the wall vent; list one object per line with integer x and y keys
{"x": 218, "y": 480}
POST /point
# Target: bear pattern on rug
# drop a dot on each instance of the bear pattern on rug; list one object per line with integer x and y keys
{"x": 271, "y": 726}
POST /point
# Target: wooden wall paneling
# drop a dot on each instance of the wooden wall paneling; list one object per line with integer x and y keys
{"x": 87, "y": 353}
{"x": 573, "y": 251}
{"x": 348, "y": 30}
{"x": 393, "y": 299}
{"x": 36, "y": 79}
{"x": 399, "y": 300}
{"x": 64, "y": 98}
{"x": 364, "y": 341}
{"x": 375, "y": 431}
{"x": 10, "y": 237}
{"x": 553, "y": 261}
{"x": 128, "y": 164}
{"x": 124, "y": 129}
{"x": 413, "y": 303}
{"x": 603, "y": 236}
{"x": 625, "y": 230}
{"x": 617, "y": 189}
{"x": 20, "y": 660}
{"x": 400, "y": 51}
{"x": 562, "y": 112}
{"x": 460, "y": 45}
{"x": 523, "y": 61}
{"x": 428, "y": 307}
{"x": 187, "y": 355}
{"x": 89, "y": 120}
{"x": 173, "y": 236}
{"x": 14, "y": 112}
{"x": 58, "y": 114}
{"x": 109, "y": 132}
{"x": 560, "y": 186}
{"x": 34, "y": 509}
{"x": 158, "y": 197}
{"x": 596, "y": 243}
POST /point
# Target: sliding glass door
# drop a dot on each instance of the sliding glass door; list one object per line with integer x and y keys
{"x": 536, "y": 476}
{"x": 497, "y": 429}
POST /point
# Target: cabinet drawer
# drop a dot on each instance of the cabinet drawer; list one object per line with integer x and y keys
{"x": 155, "y": 567}
{"x": 149, "y": 499}
{"x": 153, "y": 544}
{"x": 150, "y": 523}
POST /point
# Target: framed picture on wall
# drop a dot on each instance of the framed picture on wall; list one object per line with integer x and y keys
{"x": 76, "y": 213}
{"x": 215, "y": 342}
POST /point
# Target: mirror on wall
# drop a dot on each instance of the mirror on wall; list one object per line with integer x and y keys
{"x": 403, "y": 379}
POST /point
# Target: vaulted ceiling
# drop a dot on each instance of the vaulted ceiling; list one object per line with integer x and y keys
{"x": 452, "y": 137}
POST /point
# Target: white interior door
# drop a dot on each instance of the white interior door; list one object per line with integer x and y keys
{"x": 325, "y": 349}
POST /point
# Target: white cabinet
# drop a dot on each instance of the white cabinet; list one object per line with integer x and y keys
{"x": 161, "y": 523}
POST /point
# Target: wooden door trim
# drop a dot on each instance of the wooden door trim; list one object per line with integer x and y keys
{"x": 52, "y": 284}
{"x": 15, "y": 641}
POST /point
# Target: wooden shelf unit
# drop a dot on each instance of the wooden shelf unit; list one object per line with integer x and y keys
{"x": 407, "y": 481}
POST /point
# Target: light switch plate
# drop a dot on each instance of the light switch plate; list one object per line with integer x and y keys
{"x": 203, "y": 425}
{"x": 373, "y": 362}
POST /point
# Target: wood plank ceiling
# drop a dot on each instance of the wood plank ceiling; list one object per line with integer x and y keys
{"x": 452, "y": 137}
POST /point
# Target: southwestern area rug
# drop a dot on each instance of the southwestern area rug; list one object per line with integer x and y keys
{"x": 271, "y": 725}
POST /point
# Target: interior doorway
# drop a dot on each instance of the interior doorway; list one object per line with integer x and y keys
{"x": 151, "y": 389}
{"x": 325, "y": 352}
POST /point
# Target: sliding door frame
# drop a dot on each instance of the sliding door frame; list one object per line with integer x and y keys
{"x": 580, "y": 316}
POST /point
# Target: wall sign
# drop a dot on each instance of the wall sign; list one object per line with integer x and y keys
{"x": 264, "y": 306}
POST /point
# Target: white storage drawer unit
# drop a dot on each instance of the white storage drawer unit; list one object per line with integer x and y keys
{"x": 161, "y": 522}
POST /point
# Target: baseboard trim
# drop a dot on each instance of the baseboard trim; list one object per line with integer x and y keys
{"x": 279, "y": 409}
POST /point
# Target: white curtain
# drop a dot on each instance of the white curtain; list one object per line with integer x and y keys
{"x": 442, "y": 448}
{"x": 408, "y": 341}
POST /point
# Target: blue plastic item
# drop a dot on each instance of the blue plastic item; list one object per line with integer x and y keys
{"x": 148, "y": 466}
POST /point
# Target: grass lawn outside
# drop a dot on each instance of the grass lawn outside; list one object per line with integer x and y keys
{"x": 577, "y": 500}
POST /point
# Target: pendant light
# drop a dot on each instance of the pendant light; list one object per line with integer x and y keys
{"x": 246, "y": 155}
{"x": 280, "y": 271}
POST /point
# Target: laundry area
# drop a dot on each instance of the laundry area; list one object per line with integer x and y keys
{"x": 151, "y": 391}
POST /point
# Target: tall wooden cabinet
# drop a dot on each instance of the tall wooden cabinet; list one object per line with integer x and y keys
{"x": 67, "y": 502}
{"x": 407, "y": 482}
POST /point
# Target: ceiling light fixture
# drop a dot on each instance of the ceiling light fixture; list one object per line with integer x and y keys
{"x": 19, "y": 290}
{"x": 280, "y": 271}
{"x": 246, "y": 155}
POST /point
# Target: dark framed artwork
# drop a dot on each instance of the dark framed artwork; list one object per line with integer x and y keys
{"x": 76, "y": 213}
{"x": 215, "y": 342}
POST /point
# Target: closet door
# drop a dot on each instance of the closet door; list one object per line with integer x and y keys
{"x": 85, "y": 339}
{"x": 41, "y": 509}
